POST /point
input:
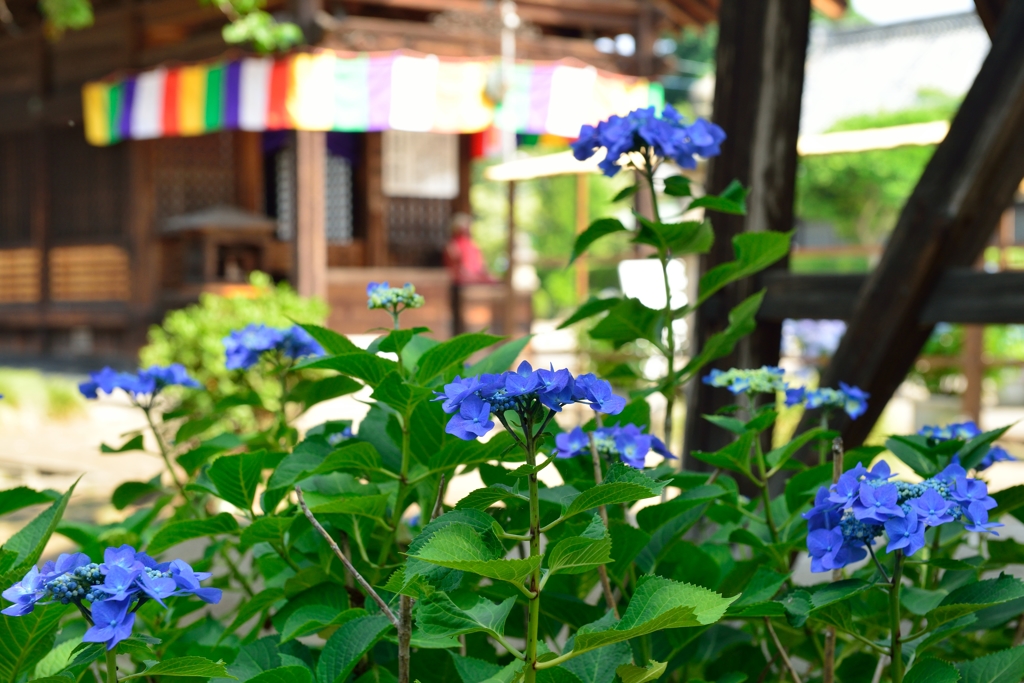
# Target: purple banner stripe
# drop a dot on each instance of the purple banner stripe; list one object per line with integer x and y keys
{"x": 233, "y": 76}
{"x": 540, "y": 99}
{"x": 379, "y": 81}
{"x": 124, "y": 125}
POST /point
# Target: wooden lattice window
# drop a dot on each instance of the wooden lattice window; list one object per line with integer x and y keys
{"x": 89, "y": 273}
{"x": 20, "y": 271}
{"x": 193, "y": 173}
{"x": 418, "y": 230}
{"x": 88, "y": 192}
{"x": 16, "y": 166}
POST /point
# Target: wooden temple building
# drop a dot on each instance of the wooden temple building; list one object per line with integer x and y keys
{"x": 142, "y": 162}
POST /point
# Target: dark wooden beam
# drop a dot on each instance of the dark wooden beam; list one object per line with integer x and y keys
{"x": 989, "y": 12}
{"x": 960, "y": 296}
{"x": 310, "y": 230}
{"x": 945, "y": 224}
{"x": 762, "y": 47}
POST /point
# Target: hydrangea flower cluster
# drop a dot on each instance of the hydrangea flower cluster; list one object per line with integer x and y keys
{"x": 666, "y": 136}
{"x": 628, "y": 444}
{"x": 848, "y": 516}
{"x": 763, "y": 380}
{"x": 114, "y": 589}
{"x": 852, "y": 400}
{"x": 472, "y": 400}
{"x": 965, "y": 431}
{"x": 244, "y": 347}
{"x": 144, "y": 383}
{"x": 393, "y": 299}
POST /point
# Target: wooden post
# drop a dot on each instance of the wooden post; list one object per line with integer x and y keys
{"x": 310, "y": 228}
{"x": 509, "y": 322}
{"x": 972, "y": 357}
{"x": 376, "y": 203}
{"x": 761, "y": 53}
{"x": 946, "y": 223}
{"x": 249, "y": 170}
{"x": 582, "y": 219}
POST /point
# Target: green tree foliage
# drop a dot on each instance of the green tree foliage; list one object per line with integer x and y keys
{"x": 862, "y": 193}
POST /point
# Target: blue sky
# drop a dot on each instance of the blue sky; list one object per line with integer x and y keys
{"x": 892, "y": 11}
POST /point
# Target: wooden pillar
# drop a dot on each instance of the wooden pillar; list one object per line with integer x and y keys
{"x": 376, "y": 202}
{"x": 645, "y": 36}
{"x": 582, "y": 220}
{"x": 462, "y": 202}
{"x": 310, "y": 229}
{"x": 509, "y": 322}
{"x": 973, "y": 361}
{"x": 761, "y": 52}
{"x": 249, "y": 171}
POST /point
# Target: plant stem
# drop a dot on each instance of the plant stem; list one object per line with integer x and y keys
{"x": 822, "y": 446}
{"x": 165, "y": 455}
{"x": 828, "y": 659}
{"x": 602, "y": 570}
{"x": 896, "y": 643}
{"x": 345, "y": 561}
{"x": 765, "y": 493}
{"x": 112, "y": 665}
{"x": 782, "y": 650}
{"x": 533, "y": 625}
{"x": 404, "y": 637}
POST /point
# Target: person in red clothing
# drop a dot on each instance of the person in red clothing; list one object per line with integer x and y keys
{"x": 465, "y": 263}
{"x": 462, "y": 257}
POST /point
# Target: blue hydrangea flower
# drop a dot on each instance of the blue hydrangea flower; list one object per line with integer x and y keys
{"x": 851, "y": 400}
{"x": 862, "y": 505}
{"x": 380, "y": 295}
{"x": 139, "y": 385}
{"x": 965, "y": 431}
{"x": 627, "y": 443}
{"x": 467, "y": 399}
{"x": 243, "y": 348}
{"x": 666, "y": 136}
{"x": 110, "y": 592}
{"x": 763, "y": 380}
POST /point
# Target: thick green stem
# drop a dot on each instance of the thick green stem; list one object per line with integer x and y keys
{"x": 530, "y": 673}
{"x": 112, "y": 665}
{"x": 766, "y": 494}
{"x": 896, "y": 643}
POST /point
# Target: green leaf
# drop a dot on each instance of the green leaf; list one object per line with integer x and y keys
{"x": 972, "y": 597}
{"x": 438, "y": 615}
{"x": 265, "y": 530}
{"x": 24, "y": 641}
{"x": 284, "y": 674}
{"x": 598, "y": 229}
{"x": 22, "y": 497}
{"x": 742, "y": 322}
{"x": 308, "y": 619}
{"x": 732, "y": 200}
{"x": 469, "y": 453}
{"x": 734, "y": 457}
{"x": 248, "y": 609}
{"x": 355, "y": 456}
{"x": 755, "y": 251}
{"x": 396, "y": 340}
{"x": 598, "y": 666}
{"x": 56, "y": 659}
{"x": 802, "y": 486}
{"x": 325, "y": 389}
{"x": 130, "y": 491}
{"x": 623, "y": 484}
{"x": 628, "y": 321}
{"x": 236, "y": 478}
{"x": 30, "y": 541}
{"x": 133, "y": 444}
{"x": 481, "y": 499}
{"x": 1009, "y": 501}
{"x": 589, "y": 309}
{"x": 678, "y": 186}
{"x": 361, "y": 365}
{"x": 579, "y": 554}
{"x": 1005, "y": 666}
{"x": 728, "y": 423}
{"x": 778, "y": 457}
{"x": 459, "y": 546}
{"x": 347, "y": 646}
{"x": 334, "y": 344}
{"x": 838, "y": 591}
{"x": 625, "y": 193}
{"x": 630, "y": 673}
{"x": 657, "y": 604}
{"x": 932, "y": 671}
{"x": 401, "y": 396}
{"x": 178, "y": 532}
{"x": 913, "y": 454}
{"x": 198, "y": 456}
{"x": 365, "y": 506}
{"x": 762, "y": 587}
{"x": 975, "y": 450}
{"x": 184, "y": 666}
{"x": 437, "y": 360}
{"x": 501, "y": 359}
{"x": 652, "y": 517}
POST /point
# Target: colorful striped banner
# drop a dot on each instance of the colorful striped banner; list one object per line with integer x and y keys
{"x": 327, "y": 90}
